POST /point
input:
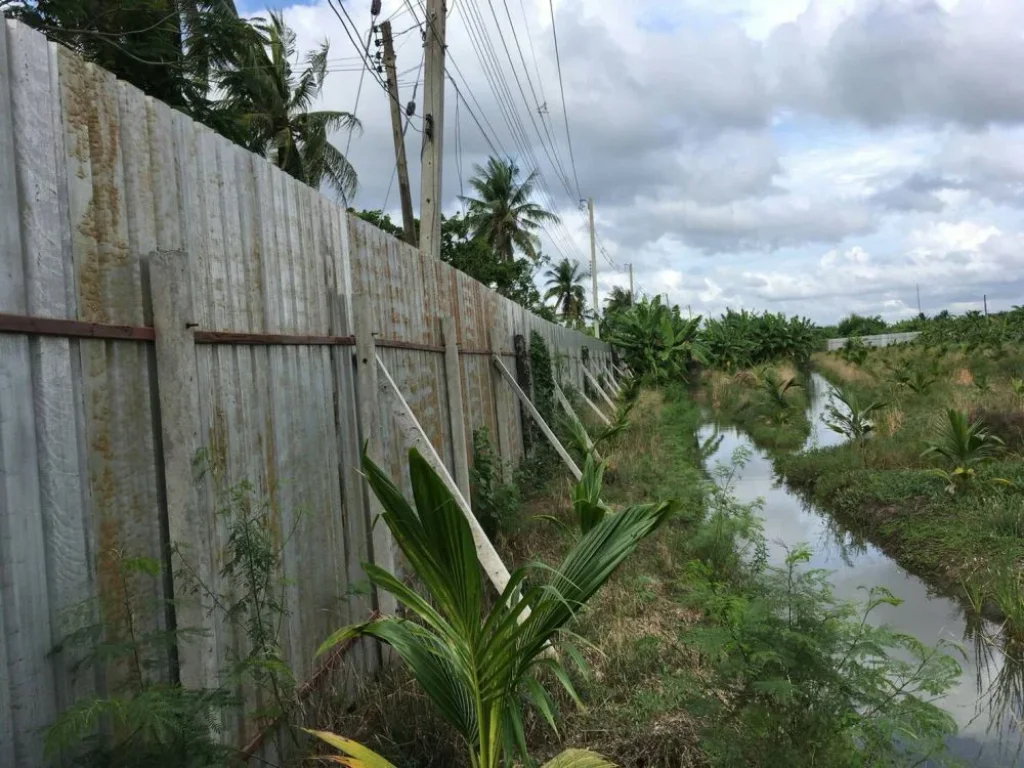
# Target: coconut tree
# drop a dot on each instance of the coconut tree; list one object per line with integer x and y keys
{"x": 565, "y": 285}
{"x": 170, "y": 49}
{"x": 617, "y": 300}
{"x": 272, "y": 103}
{"x": 964, "y": 445}
{"x": 477, "y": 659}
{"x": 503, "y": 214}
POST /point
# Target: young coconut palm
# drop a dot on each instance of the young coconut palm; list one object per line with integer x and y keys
{"x": 477, "y": 667}
{"x": 854, "y": 420}
{"x": 964, "y": 444}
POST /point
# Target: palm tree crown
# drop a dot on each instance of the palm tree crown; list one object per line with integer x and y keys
{"x": 618, "y": 299}
{"x": 503, "y": 214}
{"x": 273, "y": 105}
{"x": 565, "y": 286}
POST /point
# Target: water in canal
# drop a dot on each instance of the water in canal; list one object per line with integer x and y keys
{"x": 987, "y": 702}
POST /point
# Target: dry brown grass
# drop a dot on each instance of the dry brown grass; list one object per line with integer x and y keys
{"x": 786, "y": 370}
{"x": 840, "y": 369}
{"x": 892, "y": 420}
{"x": 962, "y": 377}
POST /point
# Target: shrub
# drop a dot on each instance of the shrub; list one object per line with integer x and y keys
{"x": 809, "y": 677}
{"x": 495, "y": 502}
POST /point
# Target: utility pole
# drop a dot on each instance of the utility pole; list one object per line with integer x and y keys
{"x": 402, "y": 167}
{"x": 593, "y": 264}
{"x": 918, "y": 285}
{"x": 984, "y": 299}
{"x": 631, "y": 295}
{"x": 433, "y": 130}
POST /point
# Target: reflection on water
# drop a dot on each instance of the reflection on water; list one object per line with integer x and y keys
{"x": 988, "y": 702}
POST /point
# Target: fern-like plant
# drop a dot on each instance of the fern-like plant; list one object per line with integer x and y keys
{"x": 142, "y": 720}
{"x": 476, "y": 666}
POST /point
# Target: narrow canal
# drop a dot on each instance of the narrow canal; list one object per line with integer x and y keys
{"x": 988, "y": 702}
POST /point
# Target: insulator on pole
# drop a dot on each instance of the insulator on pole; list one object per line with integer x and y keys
{"x": 375, "y": 8}
{"x": 410, "y": 109}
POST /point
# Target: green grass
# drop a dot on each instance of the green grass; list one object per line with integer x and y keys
{"x": 885, "y": 489}
{"x": 753, "y": 401}
{"x": 666, "y": 641}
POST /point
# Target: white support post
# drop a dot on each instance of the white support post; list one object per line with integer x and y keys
{"x": 598, "y": 411}
{"x": 414, "y": 434}
{"x": 610, "y": 375}
{"x": 597, "y": 386}
{"x": 567, "y": 407}
{"x": 369, "y": 421}
{"x": 532, "y": 410}
{"x": 456, "y": 411}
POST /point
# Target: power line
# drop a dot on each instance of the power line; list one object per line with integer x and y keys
{"x": 561, "y": 88}
{"x": 346, "y": 22}
{"x": 359, "y": 90}
{"x": 559, "y": 171}
{"x": 560, "y": 239}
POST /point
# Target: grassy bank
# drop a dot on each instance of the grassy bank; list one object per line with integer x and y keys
{"x": 964, "y": 531}
{"x": 697, "y": 652}
{"x": 768, "y": 402}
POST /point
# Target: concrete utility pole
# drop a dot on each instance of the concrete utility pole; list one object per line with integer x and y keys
{"x": 593, "y": 265}
{"x": 632, "y": 296}
{"x": 433, "y": 130}
{"x": 402, "y": 167}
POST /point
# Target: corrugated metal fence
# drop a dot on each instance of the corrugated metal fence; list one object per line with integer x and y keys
{"x": 100, "y": 426}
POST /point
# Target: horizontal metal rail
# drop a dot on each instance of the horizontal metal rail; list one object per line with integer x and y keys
{"x": 73, "y": 329}
{"x": 78, "y": 329}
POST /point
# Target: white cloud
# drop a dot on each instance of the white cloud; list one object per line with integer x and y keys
{"x": 811, "y": 155}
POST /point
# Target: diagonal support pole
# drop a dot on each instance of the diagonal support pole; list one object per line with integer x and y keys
{"x": 597, "y": 386}
{"x": 595, "y": 409}
{"x": 567, "y": 407}
{"x": 610, "y": 375}
{"x": 532, "y": 410}
{"x": 413, "y": 432}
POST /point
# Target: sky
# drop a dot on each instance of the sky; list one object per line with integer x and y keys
{"x": 814, "y": 157}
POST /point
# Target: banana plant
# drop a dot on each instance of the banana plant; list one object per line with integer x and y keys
{"x": 656, "y": 341}
{"x": 477, "y": 665}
